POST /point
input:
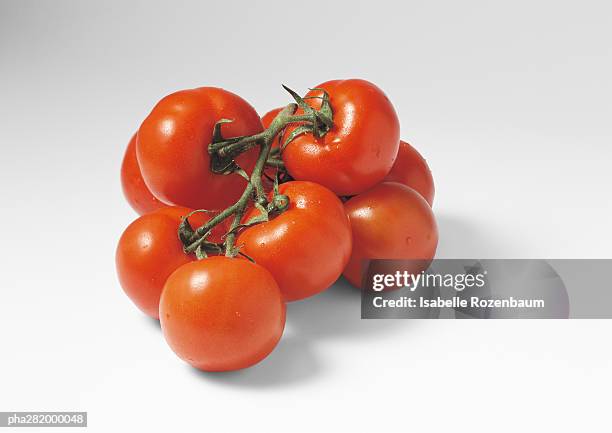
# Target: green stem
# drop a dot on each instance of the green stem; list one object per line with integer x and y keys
{"x": 284, "y": 118}
{"x": 254, "y": 186}
{"x": 274, "y": 162}
{"x": 224, "y": 151}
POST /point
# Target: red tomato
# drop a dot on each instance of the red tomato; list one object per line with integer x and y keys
{"x": 172, "y": 147}
{"x": 136, "y": 192}
{"x": 389, "y": 221}
{"x": 358, "y": 152}
{"x": 411, "y": 169}
{"x": 222, "y": 314}
{"x": 306, "y": 247}
{"x": 149, "y": 251}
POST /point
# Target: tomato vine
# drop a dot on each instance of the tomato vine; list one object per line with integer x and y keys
{"x": 223, "y": 152}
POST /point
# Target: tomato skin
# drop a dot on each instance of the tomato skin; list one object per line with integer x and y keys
{"x": 389, "y": 221}
{"x": 134, "y": 188}
{"x": 172, "y": 147}
{"x": 149, "y": 251}
{"x": 359, "y": 151}
{"x": 306, "y": 247}
{"x": 411, "y": 169}
{"x": 221, "y": 313}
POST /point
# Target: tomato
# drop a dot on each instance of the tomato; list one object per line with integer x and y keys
{"x": 221, "y": 313}
{"x": 306, "y": 247}
{"x": 134, "y": 189}
{"x": 411, "y": 169}
{"x": 149, "y": 251}
{"x": 358, "y": 152}
{"x": 389, "y": 221}
{"x": 172, "y": 147}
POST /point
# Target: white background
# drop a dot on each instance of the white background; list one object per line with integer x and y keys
{"x": 508, "y": 101}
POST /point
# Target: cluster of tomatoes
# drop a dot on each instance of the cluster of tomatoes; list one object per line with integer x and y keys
{"x": 241, "y": 214}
